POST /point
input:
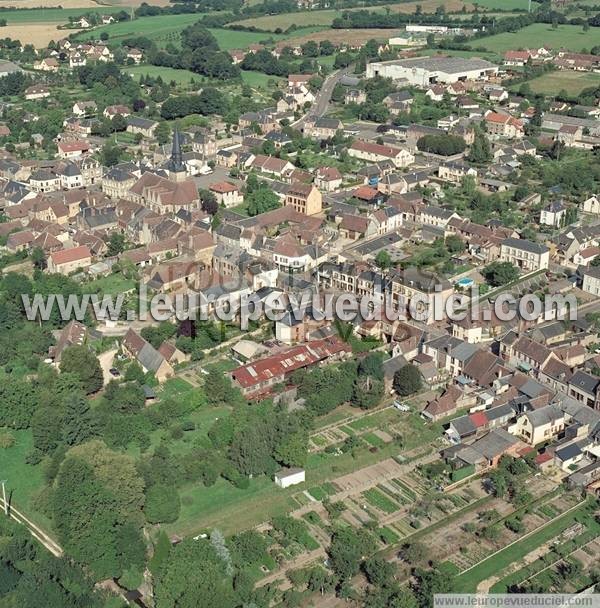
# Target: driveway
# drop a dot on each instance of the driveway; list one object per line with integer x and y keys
{"x": 106, "y": 362}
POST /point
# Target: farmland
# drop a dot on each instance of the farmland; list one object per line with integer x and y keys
{"x": 540, "y": 34}
{"x": 38, "y": 34}
{"x": 166, "y": 28}
{"x": 571, "y": 82}
{"x": 161, "y": 29}
{"x": 326, "y": 17}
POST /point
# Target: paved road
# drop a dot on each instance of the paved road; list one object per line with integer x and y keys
{"x": 322, "y": 98}
{"x": 35, "y": 531}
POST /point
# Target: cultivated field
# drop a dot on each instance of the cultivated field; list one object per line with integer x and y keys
{"x": 161, "y": 29}
{"x": 504, "y": 4}
{"x": 283, "y": 21}
{"x": 52, "y": 15}
{"x": 341, "y": 36}
{"x": 571, "y": 37}
{"x": 572, "y": 82}
{"x": 38, "y": 34}
{"x": 166, "y": 28}
{"x": 105, "y": 6}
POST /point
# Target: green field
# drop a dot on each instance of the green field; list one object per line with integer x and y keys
{"x": 181, "y": 77}
{"x": 51, "y": 15}
{"x": 166, "y": 28}
{"x": 162, "y": 29}
{"x": 283, "y": 21}
{"x": 23, "y": 480}
{"x": 571, "y": 37}
{"x": 572, "y": 82}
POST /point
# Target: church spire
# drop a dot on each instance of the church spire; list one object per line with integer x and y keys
{"x": 176, "y": 164}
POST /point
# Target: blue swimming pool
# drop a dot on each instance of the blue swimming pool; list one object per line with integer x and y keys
{"x": 465, "y": 282}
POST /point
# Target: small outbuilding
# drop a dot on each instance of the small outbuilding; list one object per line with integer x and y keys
{"x": 289, "y": 477}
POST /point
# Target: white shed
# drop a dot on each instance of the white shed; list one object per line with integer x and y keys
{"x": 289, "y": 477}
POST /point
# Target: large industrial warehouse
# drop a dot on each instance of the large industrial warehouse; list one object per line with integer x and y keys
{"x": 424, "y": 71}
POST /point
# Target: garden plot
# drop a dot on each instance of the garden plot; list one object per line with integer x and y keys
{"x": 369, "y": 476}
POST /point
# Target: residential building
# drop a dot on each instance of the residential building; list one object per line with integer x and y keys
{"x": 304, "y": 198}
{"x": 525, "y": 255}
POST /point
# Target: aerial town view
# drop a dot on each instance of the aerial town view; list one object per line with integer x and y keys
{"x": 299, "y": 303}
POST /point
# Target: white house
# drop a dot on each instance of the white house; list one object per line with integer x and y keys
{"x": 553, "y": 214}
{"x": 592, "y": 205}
{"x": 289, "y": 477}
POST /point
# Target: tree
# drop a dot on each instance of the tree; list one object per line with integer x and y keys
{"x": 209, "y": 202}
{"x": 428, "y": 583}
{"x": 383, "y": 259}
{"x": 116, "y": 243}
{"x": 111, "y": 154}
{"x": 46, "y": 429}
{"x": 218, "y": 389}
{"x": 194, "y": 572}
{"x": 162, "y": 504}
{"x": 480, "y": 151}
{"x": 82, "y": 362}
{"x": 379, "y": 571}
{"x": 414, "y": 553}
{"x": 260, "y": 200}
{"x": 38, "y": 257}
{"x": 444, "y": 145}
{"x": 407, "y": 380}
{"x": 347, "y": 550}
{"x": 500, "y": 273}
{"x": 162, "y": 133}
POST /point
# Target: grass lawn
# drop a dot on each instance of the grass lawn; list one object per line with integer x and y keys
{"x": 112, "y": 284}
{"x": 22, "y": 479}
{"x": 175, "y": 386}
{"x": 260, "y": 80}
{"x": 181, "y": 77}
{"x": 572, "y": 82}
{"x": 229, "y": 508}
{"x": 571, "y": 37}
{"x": 468, "y": 581}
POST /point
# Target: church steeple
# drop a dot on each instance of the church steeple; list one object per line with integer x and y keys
{"x": 175, "y": 165}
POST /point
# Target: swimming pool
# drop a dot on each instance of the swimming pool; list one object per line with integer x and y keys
{"x": 465, "y": 282}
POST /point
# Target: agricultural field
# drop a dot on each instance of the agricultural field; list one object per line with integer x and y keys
{"x": 38, "y": 34}
{"x": 571, "y": 82}
{"x": 571, "y": 37}
{"x": 162, "y": 29}
{"x": 52, "y": 15}
{"x": 104, "y": 6}
{"x": 326, "y": 17}
{"x": 503, "y": 4}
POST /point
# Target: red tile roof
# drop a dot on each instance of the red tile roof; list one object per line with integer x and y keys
{"x": 479, "y": 419}
{"x": 67, "y": 256}
{"x": 223, "y": 187}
